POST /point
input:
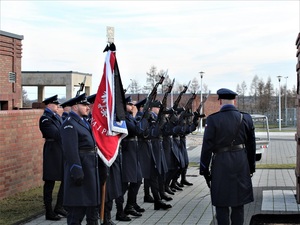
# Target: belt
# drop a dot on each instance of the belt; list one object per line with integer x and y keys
{"x": 131, "y": 139}
{"x": 50, "y": 139}
{"x": 230, "y": 148}
{"x": 87, "y": 150}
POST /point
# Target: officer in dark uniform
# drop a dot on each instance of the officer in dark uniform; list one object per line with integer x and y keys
{"x": 49, "y": 124}
{"x": 159, "y": 167}
{"x": 131, "y": 168}
{"x": 144, "y": 154}
{"x": 112, "y": 176}
{"x": 229, "y": 141}
{"x": 66, "y": 108}
{"x": 172, "y": 152}
{"x": 81, "y": 179}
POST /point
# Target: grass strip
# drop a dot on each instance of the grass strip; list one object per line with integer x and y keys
{"x": 23, "y": 206}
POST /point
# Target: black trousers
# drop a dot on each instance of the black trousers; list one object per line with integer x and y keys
{"x": 236, "y": 215}
{"x": 48, "y": 193}
{"x": 154, "y": 185}
{"x": 133, "y": 189}
{"x": 76, "y": 215}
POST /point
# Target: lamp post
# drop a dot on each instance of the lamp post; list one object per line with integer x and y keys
{"x": 279, "y": 104}
{"x": 285, "y": 103}
{"x": 201, "y": 110}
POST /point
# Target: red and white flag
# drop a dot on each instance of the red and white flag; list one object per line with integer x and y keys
{"x": 108, "y": 118}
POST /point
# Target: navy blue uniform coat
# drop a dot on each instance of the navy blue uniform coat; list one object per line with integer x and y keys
{"x": 75, "y": 136}
{"x": 231, "y": 181}
{"x": 131, "y": 168}
{"x": 49, "y": 124}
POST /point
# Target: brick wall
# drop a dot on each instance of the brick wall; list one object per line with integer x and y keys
{"x": 10, "y": 61}
{"x": 21, "y": 151}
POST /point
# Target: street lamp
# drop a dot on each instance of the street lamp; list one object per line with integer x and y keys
{"x": 285, "y": 104}
{"x": 201, "y": 110}
{"x": 279, "y": 104}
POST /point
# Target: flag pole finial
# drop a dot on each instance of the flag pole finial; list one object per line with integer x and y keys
{"x": 110, "y": 34}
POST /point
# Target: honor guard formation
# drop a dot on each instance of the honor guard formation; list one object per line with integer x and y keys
{"x": 153, "y": 156}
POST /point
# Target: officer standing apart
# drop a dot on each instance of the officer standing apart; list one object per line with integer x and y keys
{"x": 81, "y": 192}
{"x": 229, "y": 141}
{"x": 49, "y": 124}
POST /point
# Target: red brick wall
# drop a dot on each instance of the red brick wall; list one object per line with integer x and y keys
{"x": 10, "y": 61}
{"x": 21, "y": 151}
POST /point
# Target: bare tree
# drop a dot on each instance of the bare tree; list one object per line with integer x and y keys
{"x": 134, "y": 87}
{"x": 153, "y": 77}
{"x": 26, "y": 101}
{"x": 194, "y": 86}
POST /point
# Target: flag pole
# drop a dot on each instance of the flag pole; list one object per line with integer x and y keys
{"x": 110, "y": 33}
{"x": 103, "y": 192}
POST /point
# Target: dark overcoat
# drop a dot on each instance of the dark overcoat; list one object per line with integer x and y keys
{"x": 230, "y": 170}
{"x": 157, "y": 146}
{"x": 145, "y": 153}
{"x": 80, "y": 160}
{"x": 131, "y": 168}
{"x": 49, "y": 124}
{"x": 112, "y": 176}
{"x": 171, "y": 149}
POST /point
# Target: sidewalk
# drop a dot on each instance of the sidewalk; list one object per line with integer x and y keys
{"x": 274, "y": 190}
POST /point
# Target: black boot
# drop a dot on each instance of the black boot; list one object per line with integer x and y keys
{"x": 183, "y": 178}
{"x": 121, "y": 216}
{"x": 50, "y": 215}
{"x": 175, "y": 186}
{"x": 161, "y": 205}
{"x": 107, "y": 219}
{"x": 59, "y": 210}
{"x": 129, "y": 210}
{"x": 169, "y": 191}
{"x": 166, "y": 197}
{"x": 148, "y": 198}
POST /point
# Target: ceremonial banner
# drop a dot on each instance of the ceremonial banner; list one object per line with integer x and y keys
{"x": 108, "y": 118}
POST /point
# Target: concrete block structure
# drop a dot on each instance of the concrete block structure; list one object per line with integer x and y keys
{"x": 69, "y": 79}
{"x": 10, "y": 70}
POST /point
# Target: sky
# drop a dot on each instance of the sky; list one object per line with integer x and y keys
{"x": 230, "y": 41}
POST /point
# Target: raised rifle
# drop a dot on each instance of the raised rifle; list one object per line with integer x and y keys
{"x": 176, "y": 103}
{"x": 202, "y": 103}
{"x": 187, "y": 109}
{"x": 164, "y": 102}
{"x": 151, "y": 97}
{"x": 81, "y": 86}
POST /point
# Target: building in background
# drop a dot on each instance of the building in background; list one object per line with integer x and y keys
{"x": 10, "y": 71}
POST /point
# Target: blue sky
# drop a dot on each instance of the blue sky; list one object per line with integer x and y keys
{"x": 231, "y": 41}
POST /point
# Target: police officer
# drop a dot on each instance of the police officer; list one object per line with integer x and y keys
{"x": 66, "y": 108}
{"x": 160, "y": 165}
{"x": 112, "y": 176}
{"x": 49, "y": 124}
{"x": 131, "y": 168}
{"x": 81, "y": 190}
{"x": 144, "y": 154}
{"x": 229, "y": 141}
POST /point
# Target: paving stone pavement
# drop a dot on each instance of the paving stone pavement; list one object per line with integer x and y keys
{"x": 274, "y": 190}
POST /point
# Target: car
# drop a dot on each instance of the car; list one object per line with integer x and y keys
{"x": 262, "y": 136}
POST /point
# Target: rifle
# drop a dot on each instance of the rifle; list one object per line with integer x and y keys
{"x": 176, "y": 103}
{"x": 81, "y": 86}
{"x": 152, "y": 95}
{"x": 164, "y": 101}
{"x": 202, "y": 103}
{"x": 187, "y": 109}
